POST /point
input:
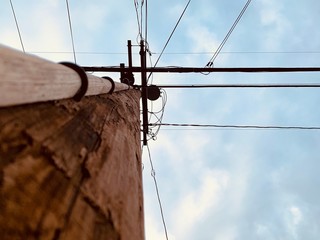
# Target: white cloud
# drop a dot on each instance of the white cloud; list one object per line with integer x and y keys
{"x": 198, "y": 202}
{"x": 203, "y": 39}
{"x": 154, "y": 230}
{"x": 42, "y": 28}
{"x": 296, "y": 215}
{"x": 93, "y": 18}
{"x": 294, "y": 218}
{"x": 261, "y": 229}
{"x": 276, "y": 27}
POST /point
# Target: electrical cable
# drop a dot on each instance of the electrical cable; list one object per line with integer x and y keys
{"x": 136, "y": 6}
{"x": 177, "y": 53}
{"x": 174, "y": 29}
{"x": 153, "y": 174}
{"x": 175, "y": 69}
{"x": 240, "y": 52}
{"x": 141, "y": 17}
{"x": 17, "y": 25}
{"x": 182, "y": 53}
{"x": 146, "y": 24}
{"x": 229, "y": 33}
{"x": 287, "y": 85}
{"x": 153, "y": 133}
{"x": 71, "y": 33}
{"x": 237, "y": 126}
{"x": 147, "y": 50}
{"x": 211, "y": 61}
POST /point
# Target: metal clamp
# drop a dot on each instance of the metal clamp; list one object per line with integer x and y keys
{"x": 112, "y": 84}
{"x": 84, "y": 80}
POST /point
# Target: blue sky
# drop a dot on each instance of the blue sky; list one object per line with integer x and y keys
{"x": 214, "y": 183}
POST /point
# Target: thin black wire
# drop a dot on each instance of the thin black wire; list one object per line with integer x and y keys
{"x": 17, "y": 25}
{"x": 177, "y": 53}
{"x": 153, "y": 174}
{"x": 238, "y": 126}
{"x": 241, "y": 52}
{"x": 71, "y": 33}
{"x": 211, "y": 61}
{"x": 287, "y": 85}
{"x": 153, "y": 133}
{"x": 174, "y": 29}
{"x": 146, "y": 24}
{"x": 136, "y": 4}
{"x": 229, "y": 33}
{"x": 141, "y": 17}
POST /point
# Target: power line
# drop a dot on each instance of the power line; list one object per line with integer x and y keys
{"x": 153, "y": 174}
{"x": 175, "y": 69}
{"x": 141, "y": 17}
{"x": 240, "y": 52}
{"x": 211, "y": 61}
{"x": 71, "y": 33}
{"x": 241, "y": 86}
{"x": 136, "y": 5}
{"x": 17, "y": 25}
{"x": 158, "y": 115}
{"x": 146, "y": 24}
{"x": 237, "y": 126}
{"x": 174, "y": 29}
{"x": 176, "y": 53}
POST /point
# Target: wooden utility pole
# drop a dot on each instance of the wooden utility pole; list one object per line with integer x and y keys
{"x": 27, "y": 79}
{"x": 71, "y": 170}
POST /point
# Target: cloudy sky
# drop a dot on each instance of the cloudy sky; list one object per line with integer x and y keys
{"x": 214, "y": 183}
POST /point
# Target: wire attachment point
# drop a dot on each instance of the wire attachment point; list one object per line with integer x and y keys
{"x": 112, "y": 84}
{"x": 84, "y": 80}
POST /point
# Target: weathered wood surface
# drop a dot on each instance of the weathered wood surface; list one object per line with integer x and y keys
{"x": 72, "y": 170}
{"x": 25, "y": 78}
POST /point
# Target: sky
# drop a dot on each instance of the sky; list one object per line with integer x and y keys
{"x": 214, "y": 183}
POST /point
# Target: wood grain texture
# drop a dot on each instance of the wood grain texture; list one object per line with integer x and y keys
{"x": 26, "y": 78}
{"x": 72, "y": 170}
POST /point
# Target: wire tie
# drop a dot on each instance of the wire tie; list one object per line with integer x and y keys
{"x": 84, "y": 80}
{"x": 112, "y": 84}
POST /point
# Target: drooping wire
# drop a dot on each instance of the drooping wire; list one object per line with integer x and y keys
{"x": 147, "y": 46}
{"x": 141, "y": 17}
{"x": 71, "y": 33}
{"x": 153, "y": 174}
{"x": 237, "y": 126}
{"x": 146, "y": 24}
{"x": 153, "y": 131}
{"x": 136, "y": 6}
{"x": 215, "y": 55}
{"x": 158, "y": 116}
{"x": 174, "y": 29}
{"x": 17, "y": 25}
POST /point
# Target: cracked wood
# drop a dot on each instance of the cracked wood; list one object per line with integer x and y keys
{"x": 72, "y": 170}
